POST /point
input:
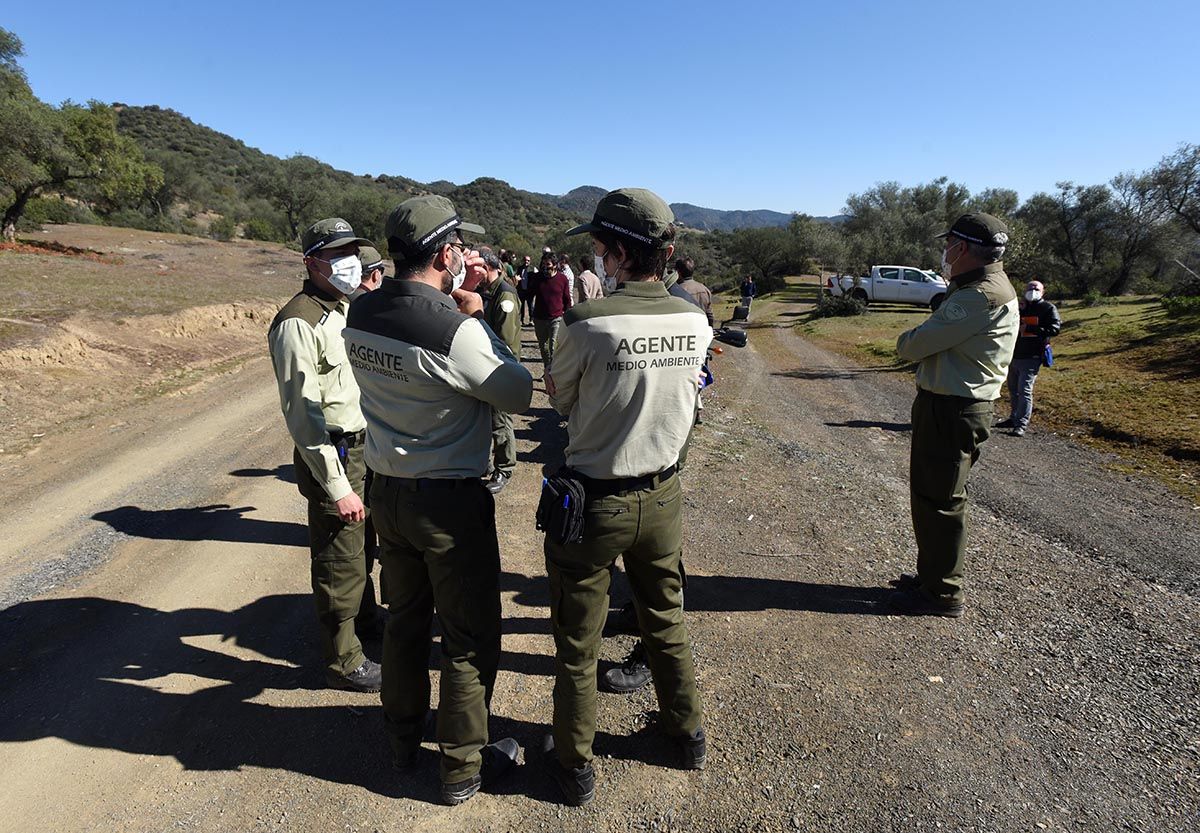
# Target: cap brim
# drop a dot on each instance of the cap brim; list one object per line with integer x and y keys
{"x": 940, "y": 236}
{"x": 583, "y": 229}
{"x": 471, "y": 227}
{"x": 342, "y": 241}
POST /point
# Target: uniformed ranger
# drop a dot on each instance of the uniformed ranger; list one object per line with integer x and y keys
{"x": 372, "y": 266}
{"x": 962, "y": 352}
{"x": 431, "y": 371}
{"x": 502, "y": 312}
{"x": 625, "y": 374}
{"x": 320, "y": 405}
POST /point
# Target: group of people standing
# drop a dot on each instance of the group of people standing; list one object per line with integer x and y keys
{"x": 398, "y": 394}
{"x": 395, "y": 391}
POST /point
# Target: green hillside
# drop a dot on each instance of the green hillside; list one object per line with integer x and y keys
{"x": 214, "y": 183}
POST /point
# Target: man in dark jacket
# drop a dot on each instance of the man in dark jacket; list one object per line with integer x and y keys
{"x": 1039, "y": 322}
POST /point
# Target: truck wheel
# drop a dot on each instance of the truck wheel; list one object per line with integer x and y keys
{"x": 936, "y": 301}
{"x": 860, "y": 295}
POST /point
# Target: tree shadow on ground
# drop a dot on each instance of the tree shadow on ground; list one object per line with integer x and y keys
{"x": 285, "y": 472}
{"x": 899, "y": 427}
{"x": 215, "y": 522}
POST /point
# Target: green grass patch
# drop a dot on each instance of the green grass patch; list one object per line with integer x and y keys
{"x": 1126, "y": 378}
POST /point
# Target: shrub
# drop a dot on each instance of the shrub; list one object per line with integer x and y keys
{"x": 837, "y": 306}
{"x": 1093, "y": 298}
{"x": 222, "y": 228}
{"x": 256, "y": 228}
{"x": 1181, "y": 306}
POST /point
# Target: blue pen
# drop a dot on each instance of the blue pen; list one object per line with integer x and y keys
{"x": 566, "y": 500}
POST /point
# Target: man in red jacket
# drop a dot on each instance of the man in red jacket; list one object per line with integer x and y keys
{"x": 551, "y": 292}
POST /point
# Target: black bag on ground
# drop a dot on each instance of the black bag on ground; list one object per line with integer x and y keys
{"x": 560, "y": 510}
{"x": 734, "y": 338}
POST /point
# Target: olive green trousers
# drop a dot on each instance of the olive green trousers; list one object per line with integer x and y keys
{"x": 338, "y": 565}
{"x": 947, "y": 432}
{"x": 438, "y": 549}
{"x": 645, "y": 528}
{"x": 504, "y": 443}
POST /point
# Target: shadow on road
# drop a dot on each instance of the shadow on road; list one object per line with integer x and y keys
{"x": 836, "y": 372}
{"x": 215, "y": 522}
{"x": 900, "y": 427}
{"x": 285, "y": 472}
{"x": 549, "y": 438}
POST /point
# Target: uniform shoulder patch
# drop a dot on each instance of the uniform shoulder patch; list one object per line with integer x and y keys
{"x": 953, "y": 311}
{"x": 507, "y": 305}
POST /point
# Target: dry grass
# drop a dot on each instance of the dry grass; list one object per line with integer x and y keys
{"x": 116, "y": 273}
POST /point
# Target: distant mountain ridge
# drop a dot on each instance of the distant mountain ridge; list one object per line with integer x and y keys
{"x": 582, "y": 201}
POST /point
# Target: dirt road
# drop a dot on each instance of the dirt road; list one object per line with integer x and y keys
{"x": 159, "y": 668}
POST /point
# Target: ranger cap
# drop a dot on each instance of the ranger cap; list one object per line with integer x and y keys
{"x": 977, "y": 227}
{"x": 329, "y": 234}
{"x": 370, "y": 257}
{"x": 416, "y": 223}
{"x": 638, "y": 215}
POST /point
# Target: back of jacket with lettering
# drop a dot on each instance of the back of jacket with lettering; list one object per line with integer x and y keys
{"x": 429, "y": 377}
{"x": 625, "y": 373}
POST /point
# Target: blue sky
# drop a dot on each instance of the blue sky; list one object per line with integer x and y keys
{"x": 782, "y": 105}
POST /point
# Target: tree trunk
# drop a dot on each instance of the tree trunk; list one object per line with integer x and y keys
{"x": 13, "y": 213}
{"x": 1121, "y": 284}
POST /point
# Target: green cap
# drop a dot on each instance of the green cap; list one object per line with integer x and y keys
{"x": 636, "y": 214}
{"x": 416, "y": 223}
{"x": 977, "y": 227}
{"x": 370, "y": 257}
{"x": 329, "y": 233}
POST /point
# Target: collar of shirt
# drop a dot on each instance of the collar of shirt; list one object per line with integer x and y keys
{"x": 412, "y": 288}
{"x": 975, "y": 275}
{"x": 327, "y": 301}
{"x": 643, "y": 289}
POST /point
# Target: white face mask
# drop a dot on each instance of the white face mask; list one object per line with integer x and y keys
{"x": 345, "y": 273}
{"x": 947, "y": 265}
{"x": 457, "y": 278}
{"x": 1032, "y": 295}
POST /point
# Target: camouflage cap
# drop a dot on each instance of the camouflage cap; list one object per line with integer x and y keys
{"x": 977, "y": 227}
{"x": 329, "y": 233}
{"x": 636, "y": 214}
{"x": 416, "y": 223}
{"x": 370, "y": 257}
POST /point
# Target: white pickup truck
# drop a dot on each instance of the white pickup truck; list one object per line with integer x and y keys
{"x": 897, "y": 284}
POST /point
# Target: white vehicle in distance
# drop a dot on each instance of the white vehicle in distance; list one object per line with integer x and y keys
{"x": 896, "y": 284}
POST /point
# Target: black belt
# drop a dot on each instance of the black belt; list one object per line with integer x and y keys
{"x": 419, "y": 484}
{"x": 602, "y": 488}
{"x": 965, "y": 400}
{"x": 350, "y": 440}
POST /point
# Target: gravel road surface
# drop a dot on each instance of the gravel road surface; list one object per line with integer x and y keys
{"x": 159, "y": 669}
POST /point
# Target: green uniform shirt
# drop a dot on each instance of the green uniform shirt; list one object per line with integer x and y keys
{"x": 965, "y": 347}
{"x": 502, "y": 312}
{"x": 317, "y": 391}
{"x": 625, "y": 373}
